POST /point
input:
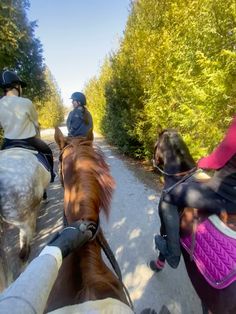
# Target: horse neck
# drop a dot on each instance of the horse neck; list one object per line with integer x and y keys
{"x": 174, "y": 165}
{"x": 98, "y": 280}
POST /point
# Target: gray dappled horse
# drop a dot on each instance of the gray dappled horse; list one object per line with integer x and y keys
{"x": 22, "y": 182}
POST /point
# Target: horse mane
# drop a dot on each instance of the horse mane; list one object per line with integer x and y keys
{"x": 101, "y": 283}
{"x": 93, "y": 172}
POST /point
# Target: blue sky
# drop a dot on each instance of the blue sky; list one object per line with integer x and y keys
{"x": 76, "y": 36}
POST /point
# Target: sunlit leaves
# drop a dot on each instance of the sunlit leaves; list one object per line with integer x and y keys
{"x": 175, "y": 68}
{"x": 22, "y": 52}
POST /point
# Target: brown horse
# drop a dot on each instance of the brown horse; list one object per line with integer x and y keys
{"x": 88, "y": 187}
{"x": 178, "y": 165}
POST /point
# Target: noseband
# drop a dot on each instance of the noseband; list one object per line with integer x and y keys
{"x": 60, "y": 164}
{"x": 178, "y": 174}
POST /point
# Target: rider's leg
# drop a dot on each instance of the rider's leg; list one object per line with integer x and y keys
{"x": 169, "y": 245}
{"x": 43, "y": 148}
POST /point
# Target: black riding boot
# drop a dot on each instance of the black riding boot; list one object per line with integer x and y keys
{"x": 169, "y": 246}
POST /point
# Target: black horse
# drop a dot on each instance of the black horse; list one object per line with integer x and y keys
{"x": 174, "y": 161}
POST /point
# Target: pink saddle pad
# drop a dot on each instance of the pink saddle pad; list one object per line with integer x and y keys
{"x": 214, "y": 252}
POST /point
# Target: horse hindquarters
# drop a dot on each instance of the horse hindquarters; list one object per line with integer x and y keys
{"x": 22, "y": 182}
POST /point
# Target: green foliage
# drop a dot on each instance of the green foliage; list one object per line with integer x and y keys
{"x": 51, "y": 111}
{"x": 95, "y": 94}
{"x": 22, "y": 52}
{"x": 175, "y": 68}
{"x": 19, "y": 49}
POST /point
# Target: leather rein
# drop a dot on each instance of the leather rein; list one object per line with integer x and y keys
{"x": 94, "y": 227}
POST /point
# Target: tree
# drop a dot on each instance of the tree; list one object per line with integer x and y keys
{"x": 20, "y": 50}
{"x": 51, "y": 111}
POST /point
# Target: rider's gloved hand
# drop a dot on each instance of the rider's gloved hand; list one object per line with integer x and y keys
{"x": 70, "y": 238}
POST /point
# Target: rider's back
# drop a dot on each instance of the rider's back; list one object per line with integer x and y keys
{"x": 17, "y": 117}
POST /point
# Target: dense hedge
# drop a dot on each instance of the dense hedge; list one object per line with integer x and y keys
{"x": 176, "y": 67}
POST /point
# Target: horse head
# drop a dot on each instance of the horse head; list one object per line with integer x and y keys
{"x": 171, "y": 153}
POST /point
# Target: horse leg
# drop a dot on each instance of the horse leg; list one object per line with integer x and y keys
{"x": 205, "y": 309}
{"x": 6, "y": 276}
{"x": 26, "y": 235}
{"x": 10, "y": 266}
{"x": 163, "y": 310}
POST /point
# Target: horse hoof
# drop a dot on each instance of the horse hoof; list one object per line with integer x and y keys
{"x": 45, "y": 201}
{"x": 156, "y": 266}
{"x": 45, "y": 195}
{"x": 24, "y": 253}
{"x": 148, "y": 311}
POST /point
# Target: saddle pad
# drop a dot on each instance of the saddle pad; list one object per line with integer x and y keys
{"x": 104, "y": 306}
{"x": 41, "y": 157}
{"x": 214, "y": 252}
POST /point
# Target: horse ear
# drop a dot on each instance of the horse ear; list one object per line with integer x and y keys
{"x": 59, "y": 138}
{"x": 90, "y": 136}
{"x": 159, "y": 129}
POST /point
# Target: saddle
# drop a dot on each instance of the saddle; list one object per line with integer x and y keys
{"x": 19, "y": 144}
{"x": 212, "y": 246}
{"x": 23, "y": 144}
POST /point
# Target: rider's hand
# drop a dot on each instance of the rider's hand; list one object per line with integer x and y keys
{"x": 70, "y": 238}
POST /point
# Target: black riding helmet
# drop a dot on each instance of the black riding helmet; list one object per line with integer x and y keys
{"x": 79, "y": 97}
{"x": 10, "y": 79}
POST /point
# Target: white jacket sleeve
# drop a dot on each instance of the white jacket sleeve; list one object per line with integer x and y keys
{"x": 30, "y": 292}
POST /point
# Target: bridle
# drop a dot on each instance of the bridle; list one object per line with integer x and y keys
{"x": 95, "y": 229}
{"x": 60, "y": 163}
{"x": 178, "y": 174}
